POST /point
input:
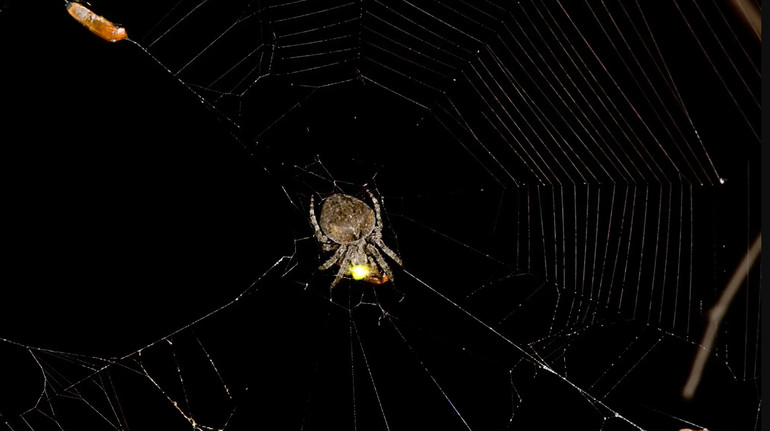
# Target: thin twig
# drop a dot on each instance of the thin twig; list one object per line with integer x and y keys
{"x": 750, "y": 14}
{"x": 717, "y": 313}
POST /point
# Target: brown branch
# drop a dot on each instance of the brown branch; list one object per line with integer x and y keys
{"x": 750, "y": 14}
{"x": 717, "y": 313}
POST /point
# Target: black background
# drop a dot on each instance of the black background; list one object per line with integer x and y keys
{"x": 131, "y": 209}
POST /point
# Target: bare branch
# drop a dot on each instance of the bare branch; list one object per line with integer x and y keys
{"x": 717, "y": 313}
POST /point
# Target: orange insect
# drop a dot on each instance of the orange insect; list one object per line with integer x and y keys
{"x": 368, "y": 273}
{"x": 98, "y": 25}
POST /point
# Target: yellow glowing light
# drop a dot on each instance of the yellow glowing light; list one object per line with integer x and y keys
{"x": 359, "y": 272}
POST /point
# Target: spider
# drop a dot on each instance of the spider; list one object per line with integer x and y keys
{"x": 354, "y": 231}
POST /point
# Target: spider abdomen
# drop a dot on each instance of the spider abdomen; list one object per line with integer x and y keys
{"x": 346, "y": 219}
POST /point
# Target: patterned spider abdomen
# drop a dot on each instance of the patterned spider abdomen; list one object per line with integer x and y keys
{"x": 346, "y": 219}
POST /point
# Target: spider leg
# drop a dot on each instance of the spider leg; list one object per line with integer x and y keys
{"x": 378, "y": 224}
{"x": 376, "y": 274}
{"x": 344, "y": 264}
{"x": 372, "y": 262}
{"x": 377, "y": 239}
{"x": 323, "y": 239}
{"x": 372, "y": 251}
{"x": 332, "y": 260}
{"x": 377, "y": 233}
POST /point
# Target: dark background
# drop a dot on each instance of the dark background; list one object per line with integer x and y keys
{"x": 132, "y": 209}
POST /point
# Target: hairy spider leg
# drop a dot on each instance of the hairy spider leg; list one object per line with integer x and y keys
{"x": 377, "y": 233}
{"x": 374, "y": 276}
{"x": 372, "y": 251}
{"x": 323, "y": 239}
{"x": 332, "y": 260}
{"x": 344, "y": 265}
{"x": 98, "y": 25}
{"x": 377, "y": 239}
{"x": 378, "y": 223}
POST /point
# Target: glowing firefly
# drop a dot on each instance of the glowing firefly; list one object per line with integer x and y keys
{"x": 359, "y": 272}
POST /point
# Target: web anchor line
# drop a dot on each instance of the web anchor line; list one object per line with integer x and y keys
{"x": 534, "y": 359}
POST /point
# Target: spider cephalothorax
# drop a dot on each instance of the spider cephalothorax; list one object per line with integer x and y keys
{"x": 350, "y": 228}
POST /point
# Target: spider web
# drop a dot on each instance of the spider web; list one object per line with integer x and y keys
{"x": 569, "y": 184}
